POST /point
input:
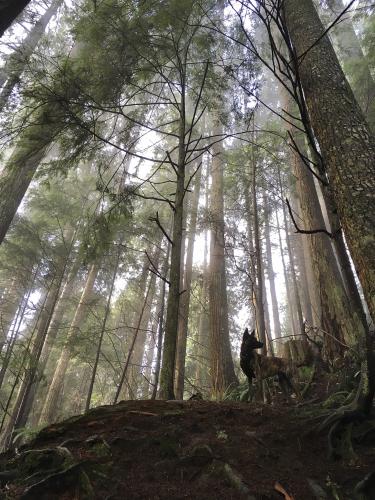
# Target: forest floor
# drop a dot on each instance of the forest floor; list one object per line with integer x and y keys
{"x": 184, "y": 449}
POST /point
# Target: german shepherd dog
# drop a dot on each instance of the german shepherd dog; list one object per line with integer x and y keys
{"x": 261, "y": 367}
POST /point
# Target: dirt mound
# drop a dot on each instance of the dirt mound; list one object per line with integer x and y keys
{"x": 192, "y": 449}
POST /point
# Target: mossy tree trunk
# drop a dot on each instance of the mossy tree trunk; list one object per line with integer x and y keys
{"x": 186, "y": 286}
{"x": 50, "y": 405}
{"x": 348, "y": 149}
{"x": 345, "y": 140}
{"x": 353, "y": 59}
{"x": 222, "y": 368}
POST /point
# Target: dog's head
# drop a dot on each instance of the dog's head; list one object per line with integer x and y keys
{"x": 249, "y": 341}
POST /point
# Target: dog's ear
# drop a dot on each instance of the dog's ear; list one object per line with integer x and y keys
{"x": 245, "y": 333}
{"x": 252, "y": 333}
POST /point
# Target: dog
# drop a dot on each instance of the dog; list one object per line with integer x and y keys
{"x": 261, "y": 367}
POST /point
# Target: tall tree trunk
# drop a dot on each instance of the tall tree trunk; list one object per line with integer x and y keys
{"x": 270, "y": 271}
{"x": 54, "y": 391}
{"x": 133, "y": 343}
{"x": 260, "y": 319}
{"x": 250, "y": 251}
{"x": 185, "y": 299}
{"x": 53, "y": 331}
{"x": 167, "y": 372}
{"x": 10, "y": 303}
{"x": 267, "y": 320}
{"x": 303, "y": 288}
{"x": 297, "y": 300}
{"x": 103, "y": 328}
{"x": 9, "y": 10}
{"x": 342, "y": 255}
{"x": 146, "y": 307}
{"x": 353, "y": 60}
{"x": 160, "y": 324}
{"x": 16, "y": 327}
{"x": 344, "y": 137}
{"x": 337, "y": 314}
{"x": 286, "y": 279}
{"x": 202, "y": 349}
{"x": 222, "y": 368}
{"x": 313, "y": 287}
{"x": 348, "y": 150}
{"x": 17, "y": 61}
{"x": 22, "y": 165}
{"x": 26, "y": 392}
{"x": 22, "y": 374}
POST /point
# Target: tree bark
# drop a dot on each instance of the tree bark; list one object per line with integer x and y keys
{"x": 16, "y": 327}
{"x": 53, "y": 331}
{"x": 344, "y": 137}
{"x": 222, "y": 368}
{"x": 26, "y": 391}
{"x": 54, "y": 391}
{"x": 133, "y": 343}
{"x": 297, "y": 301}
{"x": 10, "y": 304}
{"x": 9, "y": 10}
{"x": 185, "y": 299}
{"x": 22, "y": 165}
{"x": 167, "y": 372}
{"x": 202, "y": 349}
{"x": 160, "y": 325}
{"x": 286, "y": 279}
{"x": 353, "y": 60}
{"x": 103, "y": 329}
{"x": 270, "y": 271}
{"x": 144, "y": 308}
{"x": 338, "y": 317}
{"x": 17, "y": 61}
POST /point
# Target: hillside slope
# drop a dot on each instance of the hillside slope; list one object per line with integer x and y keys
{"x": 175, "y": 450}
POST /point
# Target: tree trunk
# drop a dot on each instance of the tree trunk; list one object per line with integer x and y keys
{"x": 16, "y": 328}
{"x": 53, "y": 331}
{"x": 167, "y": 372}
{"x": 267, "y": 320}
{"x": 133, "y": 343}
{"x": 9, "y": 10}
{"x": 300, "y": 322}
{"x": 160, "y": 324}
{"x": 338, "y": 318}
{"x": 202, "y": 349}
{"x": 270, "y": 271}
{"x": 222, "y": 368}
{"x": 185, "y": 299}
{"x": 10, "y": 304}
{"x": 17, "y": 61}
{"x": 250, "y": 251}
{"x": 22, "y": 165}
{"x": 286, "y": 279}
{"x": 103, "y": 329}
{"x": 145, "y": 308}
{"x": 54, "y": 391}
{"x": 344, "y": 137}
{"x": 353, "y": 60}
{"x": 303, "y": 288}
{"x": 26, "y": 392}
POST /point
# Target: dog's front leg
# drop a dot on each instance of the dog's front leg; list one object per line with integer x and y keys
{"x": 251, "y": 392}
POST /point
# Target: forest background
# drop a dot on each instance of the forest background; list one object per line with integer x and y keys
{"x": 173, "y": 172}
